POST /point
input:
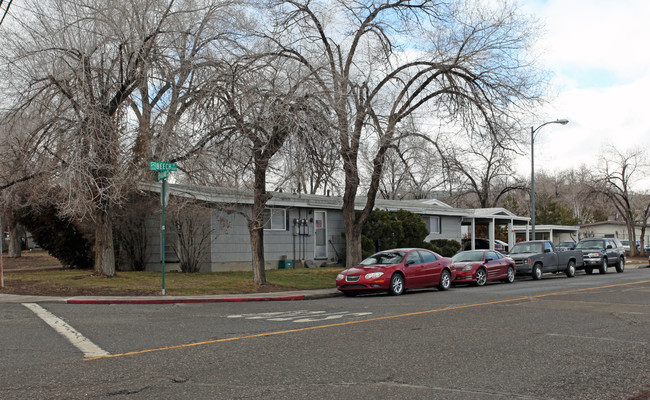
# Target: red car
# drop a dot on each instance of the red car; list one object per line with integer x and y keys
{"x": 397, "y": 270}
{"x": 480, "y": 266}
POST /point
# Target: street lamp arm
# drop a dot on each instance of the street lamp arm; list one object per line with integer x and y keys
{"x": 557, "y": 121}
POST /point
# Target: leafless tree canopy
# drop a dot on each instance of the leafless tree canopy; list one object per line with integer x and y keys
{"x": 295, "y": 94}
{"x": 378, "y": 64}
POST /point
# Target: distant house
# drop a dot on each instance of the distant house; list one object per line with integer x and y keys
{"x": 612, "y": 229}
{"x": 300, "y": 227}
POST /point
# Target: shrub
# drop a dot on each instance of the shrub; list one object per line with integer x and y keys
{"x": 389, "y": 230}
{"x": 445, "y": 247}
{"x": 59, "y": 237}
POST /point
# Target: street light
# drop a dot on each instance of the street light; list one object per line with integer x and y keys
{"x": 532, "y": 166}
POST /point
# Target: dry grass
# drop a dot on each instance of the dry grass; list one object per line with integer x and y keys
{"x": 75, "y": 282}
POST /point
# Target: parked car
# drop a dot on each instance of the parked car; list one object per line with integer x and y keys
{"x": 566, "y": 245}
{"x": 397, "y": 270}
{"x": 500, "y": 245}
{"x": 537, "y": 257}
{"x": 483, "y": 244}
{"x": 602, "y": 253}
{"x": 480, "y": 266}
{"x": 626, "y": 245}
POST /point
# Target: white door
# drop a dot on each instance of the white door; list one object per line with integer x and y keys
{"x": 320, "y": 234}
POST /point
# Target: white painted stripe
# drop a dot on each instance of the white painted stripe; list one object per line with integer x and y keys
{"x": 87, "y": 347}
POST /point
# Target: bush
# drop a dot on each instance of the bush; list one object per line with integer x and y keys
{"x": 445, "y": 247}
{"x": 388, "y": 230}
{"x": 59, "y": 237}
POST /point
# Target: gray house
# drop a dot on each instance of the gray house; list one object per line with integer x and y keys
{"x": 298, "y": 227}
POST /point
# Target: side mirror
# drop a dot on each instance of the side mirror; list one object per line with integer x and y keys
{"x": 488, "y": 259}
{"x": 547, "y": 250}
{"x": 410, "y": 262}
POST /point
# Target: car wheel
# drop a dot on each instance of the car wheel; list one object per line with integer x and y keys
{"x": 589, "y": 271}
{"x": 445, "y": 280}
{"x": 349, "y": 293}
{"x": 603, "y": 267}
{"x": 510, "y": 275}
{"x": 396, "y": 285}
{"x": 620, "y": 267}
{"x": 481, "y": 277}
{"x": 537, "y": 272}
{"x": 570, "y": 269}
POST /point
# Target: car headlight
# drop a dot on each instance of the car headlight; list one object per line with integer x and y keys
{"x": 467, "y": 268}
{"x": 593, "y": 255}
{"x": 374, "y": 275}
{"x": 339, "y": 277}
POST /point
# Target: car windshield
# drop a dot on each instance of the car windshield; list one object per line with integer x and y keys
{"x": 468, "y": 256}
{"x": 525, "y": 248}
{"x": 590, "y": 245}
{"x": 384, "y": 258}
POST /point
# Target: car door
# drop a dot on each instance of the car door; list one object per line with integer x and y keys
{"x": 612, "y": 252}
{"x": 550, "y": 258}
{"x": 431, "y": 268}
{"x": 413, "y": 270}
{"x": 493, "y": 265}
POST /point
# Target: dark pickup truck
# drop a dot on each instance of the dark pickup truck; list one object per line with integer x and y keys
{"x": 539, "y": 256}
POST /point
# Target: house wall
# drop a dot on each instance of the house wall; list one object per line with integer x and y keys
{"x": 450, "y": 229}
{"x": 611, "y": 230}
{"x": 231, "y": 251}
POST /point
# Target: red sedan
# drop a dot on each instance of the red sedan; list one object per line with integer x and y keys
{"x": 480, "y": 266}
{"x": 397, "y": 270}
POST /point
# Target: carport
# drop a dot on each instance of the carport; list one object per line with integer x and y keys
{"x": 492, "y": 217}
{"x": 549, "y": 232}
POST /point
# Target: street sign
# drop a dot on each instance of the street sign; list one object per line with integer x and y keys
{"x": 163, "y": 175}
{"x": 162, "y": 166}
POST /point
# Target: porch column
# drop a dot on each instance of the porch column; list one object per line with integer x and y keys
{"x": 491, "y": 233}
{"x": 511, "y": 234}
{"x": 473, "y": 247}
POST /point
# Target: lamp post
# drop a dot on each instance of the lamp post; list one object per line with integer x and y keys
{"x": 532, "y": 167}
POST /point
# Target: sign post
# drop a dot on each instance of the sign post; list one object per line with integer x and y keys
{"x": 163, "y": 169}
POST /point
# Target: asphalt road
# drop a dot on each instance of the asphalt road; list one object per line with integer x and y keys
{"x": 581, "y": 338}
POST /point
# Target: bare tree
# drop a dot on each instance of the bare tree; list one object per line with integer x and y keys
{"x": 193, "y": 224}
{"x": 483, "y": 165}
{"x": 261, "y": 101}
{"x": 377, "y": 64}
{"x": 617, "y": 173}
{"x": 88, "y": 70}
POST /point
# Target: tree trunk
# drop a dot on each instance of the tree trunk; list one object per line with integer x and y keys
{"x": 14, "y": 250}
{"x": 257, "y": 247}
{"x": 256, "y": 223}
{"x": 104, "y": 247}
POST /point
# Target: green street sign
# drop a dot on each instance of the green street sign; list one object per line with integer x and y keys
{"x": 163, "y": 175}
{"x": 162, "y": 166}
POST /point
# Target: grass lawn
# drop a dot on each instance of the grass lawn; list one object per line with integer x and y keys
{"x": 75, "y": 282}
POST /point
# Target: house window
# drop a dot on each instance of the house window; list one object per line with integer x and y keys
{"x": 434, "y": 224}
{"x": 275, "y": 219}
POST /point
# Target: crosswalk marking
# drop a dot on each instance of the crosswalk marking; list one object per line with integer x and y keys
{"x": 87, "y": 347}
{"x": 300, "y": 316}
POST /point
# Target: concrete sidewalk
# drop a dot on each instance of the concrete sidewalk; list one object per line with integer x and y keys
{"x": 274, "y": 296}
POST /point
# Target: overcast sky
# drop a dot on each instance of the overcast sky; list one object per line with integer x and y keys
{"x": 599, "y": 54}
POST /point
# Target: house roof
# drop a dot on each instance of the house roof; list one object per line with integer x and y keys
{"x": 285, "y": 199}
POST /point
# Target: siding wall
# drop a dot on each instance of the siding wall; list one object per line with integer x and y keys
{"x": 230, "y": 241}
{"x": 450, "y": 229}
